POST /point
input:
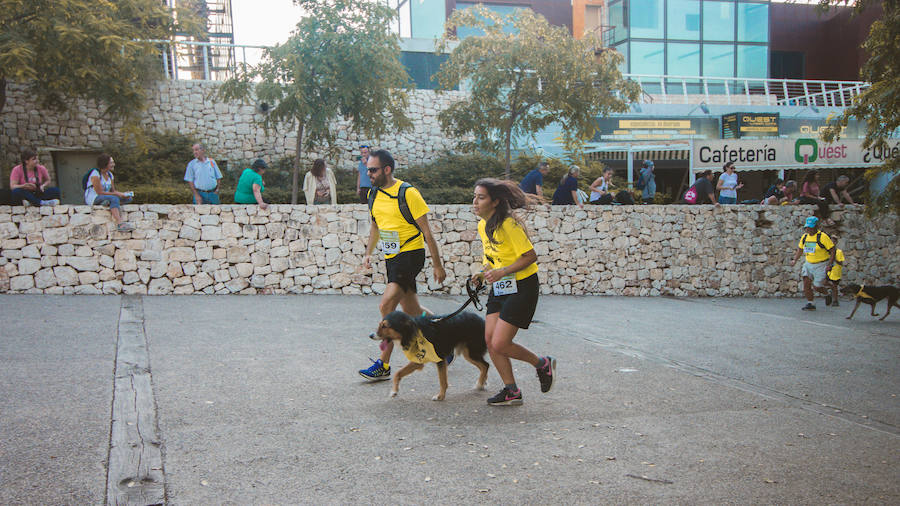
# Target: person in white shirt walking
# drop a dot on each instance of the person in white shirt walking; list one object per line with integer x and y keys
{"x": 728, "y": 185}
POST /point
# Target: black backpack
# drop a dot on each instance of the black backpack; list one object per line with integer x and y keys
{"x": 401, "y": 201}
{"x": 86, "y": 179}
{"x": 818, "y": 240}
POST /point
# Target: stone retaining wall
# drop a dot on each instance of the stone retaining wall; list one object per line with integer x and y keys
{"x": 228, "y": 129}
{"x": 621, "y": 250}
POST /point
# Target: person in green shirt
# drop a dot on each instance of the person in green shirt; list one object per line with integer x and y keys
{"x": 250, "y": 185}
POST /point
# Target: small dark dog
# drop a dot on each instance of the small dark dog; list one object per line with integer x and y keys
{"x": 871, "y": 295}
{"x": 431, "y": 339}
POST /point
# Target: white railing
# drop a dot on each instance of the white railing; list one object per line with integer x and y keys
{"x": 209, "y": 61}
{"x": 746, "y": 91}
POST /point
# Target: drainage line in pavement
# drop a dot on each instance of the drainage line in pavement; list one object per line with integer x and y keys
{"x": 135, "y": 473}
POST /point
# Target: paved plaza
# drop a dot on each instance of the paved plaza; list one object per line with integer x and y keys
{"x": 257, "y": 401}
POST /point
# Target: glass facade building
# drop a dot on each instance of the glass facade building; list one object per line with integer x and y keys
{"x": 692, "y": 37}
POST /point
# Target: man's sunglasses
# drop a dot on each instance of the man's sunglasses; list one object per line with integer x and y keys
{"x": 373, "y": 169}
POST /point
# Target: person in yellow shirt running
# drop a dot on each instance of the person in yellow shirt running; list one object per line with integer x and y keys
{"x": 834, "y": 274}
{"x": 819, "y": 251}
{"x": 403, "y": 244}
{"x": 510, "y": 268}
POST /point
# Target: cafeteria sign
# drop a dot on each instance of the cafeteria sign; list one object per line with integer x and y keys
{"x": 799, "y": 153}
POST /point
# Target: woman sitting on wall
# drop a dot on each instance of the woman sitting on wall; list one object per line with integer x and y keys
{"x": 101, "y": 190}
{"x": 30, "y": 182}
{"x": 250, "y": 185}
{"x": 567, "y": 191}
{"x": 809, "y": 194}
{"x": 319, "y": 184}
{"x": 600, "y": 189}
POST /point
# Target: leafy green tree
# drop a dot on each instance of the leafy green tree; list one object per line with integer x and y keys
{"x": 342, "y": 62}
{"x": 879, "y": 105}
{"x": 66, "y": 49}
{"x": 524, "y": 74}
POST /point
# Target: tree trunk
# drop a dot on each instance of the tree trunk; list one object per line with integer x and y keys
{"x": 508, "y": 156}
{"x": 295, "y": 183}
{"x": 2, "y": 94}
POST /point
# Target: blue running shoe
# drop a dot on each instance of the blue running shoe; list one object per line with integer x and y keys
{"x": 376, "y": 372}
{"x": 449, "y": 358}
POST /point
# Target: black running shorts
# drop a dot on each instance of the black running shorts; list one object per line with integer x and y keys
{"x": 403, "y": 269}
{"x": 517, "y": 308}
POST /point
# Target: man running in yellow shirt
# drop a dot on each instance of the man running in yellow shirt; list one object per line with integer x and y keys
{"x": 403, "y": 244}
{"x": 819, "y": 251}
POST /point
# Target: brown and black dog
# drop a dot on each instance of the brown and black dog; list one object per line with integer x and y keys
{"x": 871, "y": 295}
{"x": 432, "y": 339}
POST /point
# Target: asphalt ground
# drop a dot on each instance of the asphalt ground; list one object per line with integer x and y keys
{"x": 657, "y": 400}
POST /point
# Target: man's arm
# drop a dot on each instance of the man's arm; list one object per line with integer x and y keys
{"x": 834, "y": 196}
{"x": 370, "y": 246}
{"x": 845, "y": 194}
{"x": 439, "y": 274}
{"x": 797, "y": 255}
{"x": 358, "y": 180}
{"x": 539, "y": 190}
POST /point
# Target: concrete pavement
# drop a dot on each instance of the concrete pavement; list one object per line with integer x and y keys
{"x": 659, "y": 400}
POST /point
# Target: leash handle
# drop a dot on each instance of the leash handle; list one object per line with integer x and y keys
{"x": 473, "y": 292}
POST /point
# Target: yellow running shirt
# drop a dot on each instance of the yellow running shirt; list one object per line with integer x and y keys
{"x": 837, "y": 269}
{"x": 814, "y": 252}
{"x": 386, "y": 211}
{"x": 512, "y": 242}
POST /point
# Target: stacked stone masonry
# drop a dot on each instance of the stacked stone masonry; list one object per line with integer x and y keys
{"x": 230, "y": 130}
{"x": 602, "y": 250}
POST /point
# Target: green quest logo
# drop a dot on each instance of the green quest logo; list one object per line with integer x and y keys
{"x": 808, "y": 151}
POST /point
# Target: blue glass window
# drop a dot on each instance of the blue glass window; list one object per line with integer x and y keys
{"x": 647, "y": 58}
{"x": 683, "y": 19}
{"x": 753, "y": 22}
{"x": 623, "y": 50}
{"x": 752, "y": 61}
{"x": 718, "y": 60}
{"x": 504, "y": 10}
{"x": 645, "y": 19}
{"x": 617, "y": 21}
{"x": 683, "y": 59}
{"x": 718, "y": 20}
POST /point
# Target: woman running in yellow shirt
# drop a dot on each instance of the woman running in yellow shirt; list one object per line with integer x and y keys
{"x": 510, "y": 268}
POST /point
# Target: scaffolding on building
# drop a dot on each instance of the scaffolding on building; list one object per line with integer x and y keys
{"x": 211, "y": 55}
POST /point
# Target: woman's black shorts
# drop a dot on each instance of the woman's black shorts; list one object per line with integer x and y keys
{"x": 517, "y": 308}
{"x": 403, "y": 268}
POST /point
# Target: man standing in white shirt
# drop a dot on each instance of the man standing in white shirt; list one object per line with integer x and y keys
{"x": 203, "y": 176}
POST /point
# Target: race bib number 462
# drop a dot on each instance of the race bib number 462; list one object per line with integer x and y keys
{"x": 390, "y": 241}
{"x": 506, "y": 285}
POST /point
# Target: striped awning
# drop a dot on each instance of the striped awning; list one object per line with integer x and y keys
{"x": 652, "y": 154}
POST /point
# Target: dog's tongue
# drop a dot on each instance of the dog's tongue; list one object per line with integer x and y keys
{"x": 383, "y": 345}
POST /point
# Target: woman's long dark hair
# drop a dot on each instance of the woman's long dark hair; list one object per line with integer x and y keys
{"x": 810, "y": 177}
{"x": 509, "y": 197}
{"x": 318, "y": 168}
{"x": 102, "y": 161}
{"x": 27, "y": 154}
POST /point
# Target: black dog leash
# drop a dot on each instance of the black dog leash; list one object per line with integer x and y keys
{"x": 473, "y": 291}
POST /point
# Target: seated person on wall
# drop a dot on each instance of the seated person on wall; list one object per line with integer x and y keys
{"x": 790, "y": 192}
{"x": 567, "y": 191}
{"x": 101, "y": 190}
{"x": 774, "y": 196}
{"x": 836, "y": 191}
{"x": 704, "y": 189}
{"x": 30, "y": 182}
{"x": 250, "y": 185}
{"x": 601, "y": 188}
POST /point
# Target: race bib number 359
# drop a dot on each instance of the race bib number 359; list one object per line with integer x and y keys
{"x": 390, "y": 241}
{"x": 809, "y": 248}
{"x": 506, "y": 285}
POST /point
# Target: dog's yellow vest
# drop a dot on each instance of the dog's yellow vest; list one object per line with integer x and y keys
{"x": 863, "y": 294}
{"x": 420, "y": 350}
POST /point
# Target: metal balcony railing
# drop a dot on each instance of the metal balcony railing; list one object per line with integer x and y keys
{"x": 746, "y": 91}
{"x": 198, "y": 61}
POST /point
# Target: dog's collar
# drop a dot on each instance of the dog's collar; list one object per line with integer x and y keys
{"x": 862, "y": 293}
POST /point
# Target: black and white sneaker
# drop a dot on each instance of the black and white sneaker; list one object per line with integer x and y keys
{"x": 506, "y": 398}
{"x": 809, "y": 307}
{"x": 828, "y": 300}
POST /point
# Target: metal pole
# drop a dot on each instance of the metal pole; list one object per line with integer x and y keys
{"x": 691, "y": 178}
{"x": 630, "y": 165}
{"x": 206, "y": 62}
